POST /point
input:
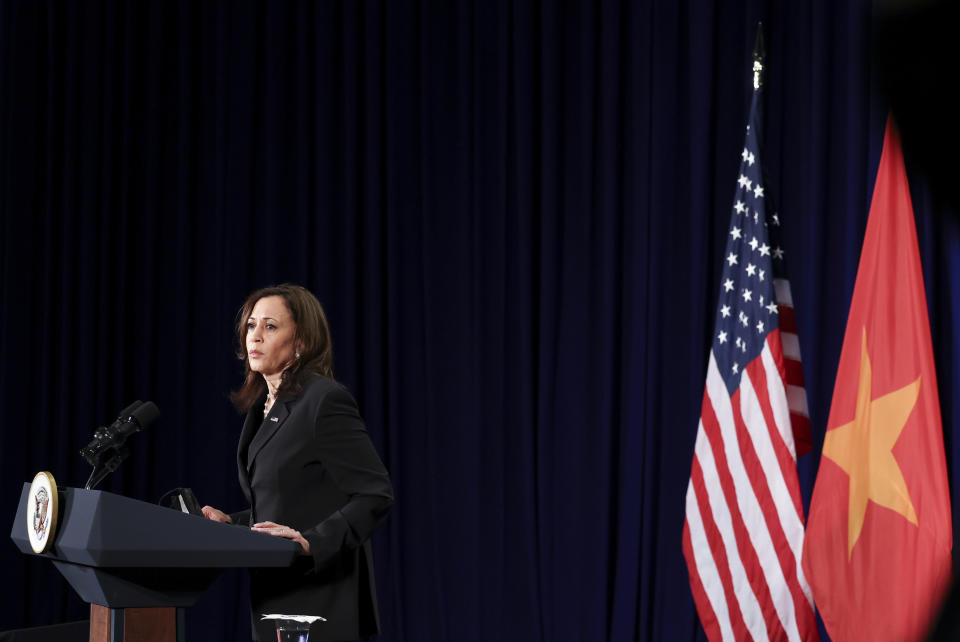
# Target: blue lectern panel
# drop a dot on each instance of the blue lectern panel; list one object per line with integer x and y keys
{"x": 102, "y": 529}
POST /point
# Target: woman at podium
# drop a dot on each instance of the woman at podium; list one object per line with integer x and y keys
{"x": 307, "y": 467}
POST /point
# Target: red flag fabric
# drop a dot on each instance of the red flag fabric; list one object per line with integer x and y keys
{"x": 878, "y": 540}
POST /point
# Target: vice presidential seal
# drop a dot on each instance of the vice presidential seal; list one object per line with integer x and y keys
{"x": 42, "y": 512}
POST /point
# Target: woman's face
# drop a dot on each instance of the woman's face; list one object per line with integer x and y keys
{"x": 270, "y": 336}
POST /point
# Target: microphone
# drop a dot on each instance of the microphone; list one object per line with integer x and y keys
{"x": 133, "y": 418}
{"x": 101, "y": 436}
{"x": 138, "y": 419}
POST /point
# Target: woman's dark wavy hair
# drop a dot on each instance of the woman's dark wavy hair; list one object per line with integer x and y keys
{"x": 311, "y": 337}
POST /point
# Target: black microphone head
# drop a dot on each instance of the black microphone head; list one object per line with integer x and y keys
{"x": 126, "y": 412}
{"x": 146, "y": 414}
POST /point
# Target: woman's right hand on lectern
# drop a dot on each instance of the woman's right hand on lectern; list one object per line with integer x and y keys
{"x": 216, "y": 515}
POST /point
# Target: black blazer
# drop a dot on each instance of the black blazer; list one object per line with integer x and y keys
{"x": 309, "y": 464}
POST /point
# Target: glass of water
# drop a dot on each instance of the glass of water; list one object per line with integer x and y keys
{"x": 292, "y": 631}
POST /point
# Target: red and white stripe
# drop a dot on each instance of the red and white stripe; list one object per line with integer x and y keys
{"x": 743, "y": 534}
{"x": 796, "y": 387}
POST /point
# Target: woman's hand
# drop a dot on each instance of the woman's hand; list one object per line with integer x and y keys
{"x": 216, "y": 515}
{"x": 279, "y": 530}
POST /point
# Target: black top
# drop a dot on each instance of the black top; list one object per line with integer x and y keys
{"x": 309, "y": 464}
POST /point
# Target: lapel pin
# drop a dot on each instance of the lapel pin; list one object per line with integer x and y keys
{"x": 273, "y": 419}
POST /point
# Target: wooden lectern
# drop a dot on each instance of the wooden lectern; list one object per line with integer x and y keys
{"x": 139, "y": 565}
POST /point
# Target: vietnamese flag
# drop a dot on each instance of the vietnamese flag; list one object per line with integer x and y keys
{"x": 878, "y": 538}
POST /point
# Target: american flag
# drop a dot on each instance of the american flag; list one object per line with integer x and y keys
{"x": 743, "y": 534}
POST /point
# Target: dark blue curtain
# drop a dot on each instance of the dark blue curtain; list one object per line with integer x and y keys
{"x": 514, "y": 213}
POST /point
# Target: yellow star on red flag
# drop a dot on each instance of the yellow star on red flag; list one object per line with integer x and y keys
{"x": 863, "y": 448}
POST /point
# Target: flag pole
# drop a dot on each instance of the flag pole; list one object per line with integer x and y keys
{"x": 759, "y": 55}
